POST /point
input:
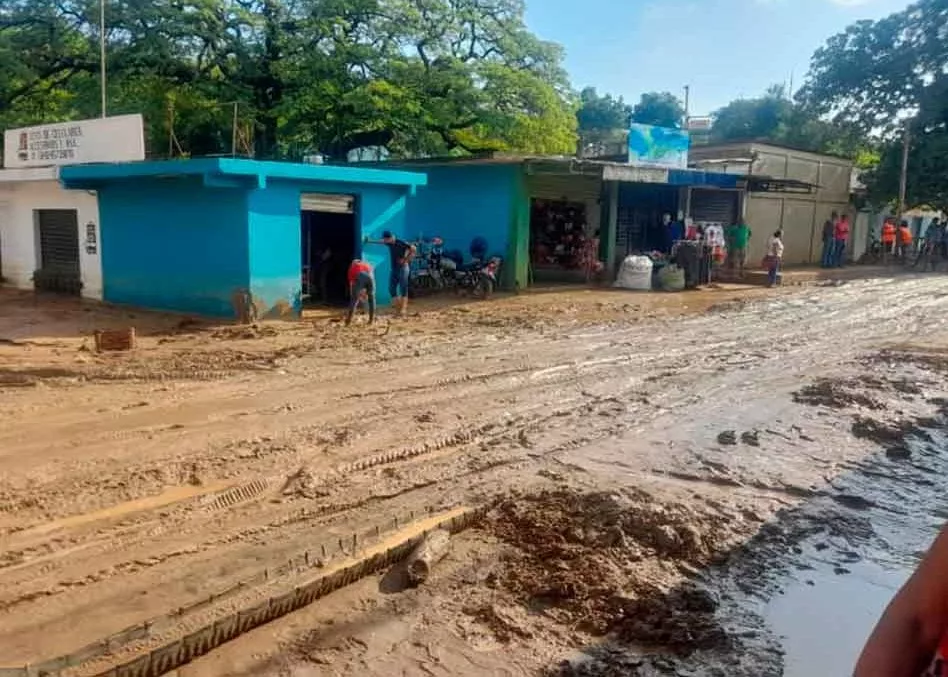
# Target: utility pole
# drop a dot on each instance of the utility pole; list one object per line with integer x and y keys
{"x": 903, "y": 177}
{"x": 102, "y": 68}
{"x": 687, "y": 103}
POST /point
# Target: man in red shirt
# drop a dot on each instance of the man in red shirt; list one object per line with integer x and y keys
{"x": 841, "y": 236}
{"x": 361, "y": 288}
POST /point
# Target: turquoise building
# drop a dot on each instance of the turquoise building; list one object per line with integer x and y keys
{"x": 544, "y": 214}
{"x": 195, "y": 236}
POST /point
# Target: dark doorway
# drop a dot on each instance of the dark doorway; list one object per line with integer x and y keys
{"x": 329, "y": 243}
{"x": 558, "y": 240}
{"x": 58, "y": 240}
{"x": 642, "y": 207}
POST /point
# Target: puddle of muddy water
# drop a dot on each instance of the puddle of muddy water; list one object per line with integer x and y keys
{"x": 843, "y": 581}
{"x": 824, "y": 618}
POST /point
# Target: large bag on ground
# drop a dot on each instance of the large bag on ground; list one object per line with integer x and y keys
{"x": 671, "y": 278}
{"x": 635, "y": 273}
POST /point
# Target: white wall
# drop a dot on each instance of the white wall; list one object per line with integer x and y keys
{"x": 18, "y": 250}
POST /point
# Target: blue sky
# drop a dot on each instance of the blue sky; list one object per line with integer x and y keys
{"x": 724, "y": 49}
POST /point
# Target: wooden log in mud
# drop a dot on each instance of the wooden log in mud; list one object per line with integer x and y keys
{"x": 428, "y": 553}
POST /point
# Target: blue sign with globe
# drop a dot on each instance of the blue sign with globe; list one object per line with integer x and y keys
{"x": 658, "y": 146}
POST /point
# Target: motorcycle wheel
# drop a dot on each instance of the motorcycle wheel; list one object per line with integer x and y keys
{"x": 485, "y": 287}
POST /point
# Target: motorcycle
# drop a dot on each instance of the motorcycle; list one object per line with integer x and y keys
{"x": 479, "y": 278}
{"x": 432, "y": 270}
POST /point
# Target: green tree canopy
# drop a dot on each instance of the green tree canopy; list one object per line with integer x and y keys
{"x": 659, "y": 108}
{"x": 776, "y": 118}
{"x": 601, "y": 113}
{"x": 881, "y": 76}
{"x": 415, "y": 76}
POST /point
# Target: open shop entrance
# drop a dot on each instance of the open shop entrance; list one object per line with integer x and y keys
{"x": 330, "y": 240}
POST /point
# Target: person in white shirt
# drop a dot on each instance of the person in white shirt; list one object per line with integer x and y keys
{"x": 774, "y": 257}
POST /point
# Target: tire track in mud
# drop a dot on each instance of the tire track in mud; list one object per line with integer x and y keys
{"x": 624, "y": 378}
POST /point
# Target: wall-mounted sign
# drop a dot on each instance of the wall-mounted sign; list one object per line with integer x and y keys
{"x": 92, "y": 242}
{"x": 115, "y": 139}
{"x": 658, "y": 146}
{"x": 634, "y": 174}
{"x": 699, "y": 123}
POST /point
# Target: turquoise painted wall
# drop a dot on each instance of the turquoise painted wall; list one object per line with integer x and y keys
{"x": 173, "y": 244}
{"x": 462, "y": 202}
{"x": 274, "y": 235}
{"x": 178, "y": 244}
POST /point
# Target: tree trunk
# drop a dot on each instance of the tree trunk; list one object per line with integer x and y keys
{"x": 430, "y": 551}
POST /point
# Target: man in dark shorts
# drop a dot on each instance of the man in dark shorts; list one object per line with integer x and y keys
{"x": 361, "y": 289}
{"x": 401, "y": 254}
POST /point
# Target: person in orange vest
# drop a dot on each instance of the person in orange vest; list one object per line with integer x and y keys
{"x": 888, "y": 239}
{"x": 904, "y": 241}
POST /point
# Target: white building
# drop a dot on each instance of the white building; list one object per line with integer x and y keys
{"x": 49, "y": 236}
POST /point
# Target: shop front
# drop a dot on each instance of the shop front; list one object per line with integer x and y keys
{"x": 663, "y": 214}
{"x": 565, "y": 216}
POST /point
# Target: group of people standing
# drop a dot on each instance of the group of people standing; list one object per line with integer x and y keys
{"x": 896, "y": 240}
{"x": 738, "y": 238}
{"x": 835, "y": 238}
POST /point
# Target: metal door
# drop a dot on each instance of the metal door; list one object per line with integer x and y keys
{"x": 58, "y": 241}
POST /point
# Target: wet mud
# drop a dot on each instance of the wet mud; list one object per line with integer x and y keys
{"x": 661, "y": 478}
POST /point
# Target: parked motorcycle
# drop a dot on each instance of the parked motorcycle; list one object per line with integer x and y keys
{"x": 479, "y": 278}
{"x": 433, "y": 270}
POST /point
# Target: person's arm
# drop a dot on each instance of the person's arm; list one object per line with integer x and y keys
{"x": 906, "y": 638}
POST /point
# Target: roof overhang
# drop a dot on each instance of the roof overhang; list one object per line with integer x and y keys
{"x": 234, "y": 173}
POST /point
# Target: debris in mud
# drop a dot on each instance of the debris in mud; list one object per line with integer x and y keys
{"x": 252, "y": 331}
{"x": 835, "y": 394}
{"x": 899, "y": 453}
{"x": 727, "y": 438}
{"x": 877, "y": 431}
{"x": 751, "y": 439}
{"x": 854, "y": 502}
{"x": 305, "y": 484}
{"x": 428, "y": 553}
{"x": 590, "y": 561}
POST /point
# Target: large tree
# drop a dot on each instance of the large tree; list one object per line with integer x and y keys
{"x": 777, "y": 118}
{"x": 883, "y": 77}
{"x": 414, "y": 76}
{"x": 659, "y": 108}
{"x": 601, "y": 117}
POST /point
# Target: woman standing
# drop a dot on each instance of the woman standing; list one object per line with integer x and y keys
{"x": 774, "y": 257}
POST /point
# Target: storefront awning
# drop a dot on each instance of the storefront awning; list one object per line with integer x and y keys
{"x": 697, "y": 177}
{"x": 671, "y": 177}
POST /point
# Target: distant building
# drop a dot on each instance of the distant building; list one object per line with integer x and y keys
{"x": 789, "y": 189}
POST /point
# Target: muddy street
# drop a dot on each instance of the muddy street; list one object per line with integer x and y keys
{"x": 674, "y": 483}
